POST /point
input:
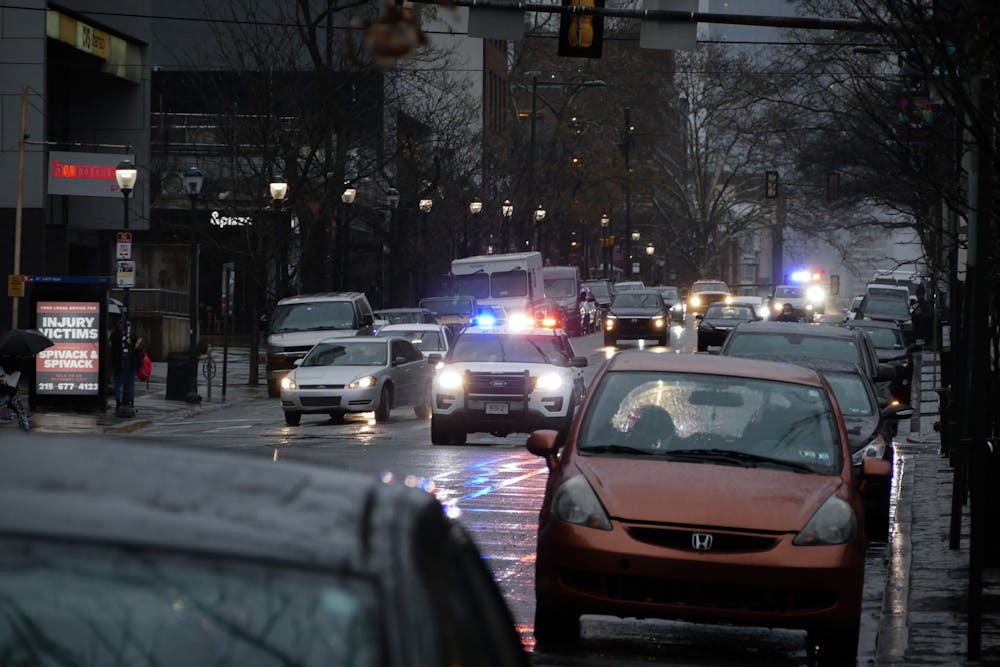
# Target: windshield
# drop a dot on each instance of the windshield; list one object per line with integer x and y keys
{"x": 886, "y": 306}
{"x": 560, "y": 287}
{"x": 670, "y": 294}
{"x": 745, "y": 344}
{"x": 599, "y": 289}
{"x": 425, "y": 341}
{"x": 719, "y": 311}
{"x": 347, "y": 354}
{"x": 852, "y": 396}
{"x": 502, "y": 347}
{"x": 476, "y": 285}
{"x": 628, "y": 287}
{"x": 456, "y": 306}
{"x": 106, "y": 606}
{"x": 400, "y": 316}
{"x": 709, "y": 287}
{"x": 885, "y": 339}
{"x": 313, "y": 316}
{"x": 635, "y": 300}
{"x": 508, "y": 283}
{"x": 681, "y": 414}
{"x": 789, "y": 292}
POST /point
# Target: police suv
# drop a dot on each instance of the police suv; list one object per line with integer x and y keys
{"x": 506, "y": 379}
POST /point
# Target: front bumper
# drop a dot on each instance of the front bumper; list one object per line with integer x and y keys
{"x": 339, "y": 399}
{"x": 772, "y": 583}
{"x": 635, "y": 327}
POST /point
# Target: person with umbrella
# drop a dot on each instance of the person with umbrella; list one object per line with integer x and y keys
{"x": 10, "y": 375}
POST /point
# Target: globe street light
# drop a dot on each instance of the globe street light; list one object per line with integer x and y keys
{"x": 193, "y": 181}
{"x": 425, "y": 204}
{"x": 507, "y": 211}
{"x": 605, "y": 223}
{"x": 278, "y": 189}
{"x": 126, "y": 175}
{"x": 649, "y": 253}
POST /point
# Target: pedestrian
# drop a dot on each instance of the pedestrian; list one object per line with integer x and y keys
{"x": 10, "y": 376}
{"x": 787, "y": 314}
{"x": 124, "y": 365}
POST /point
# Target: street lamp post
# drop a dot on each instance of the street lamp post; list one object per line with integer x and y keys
{"x": 475, "y": 208}
{"x": 506, "y": 213}
{"x": 126, "y": 174}
{"x": 193, "y": 181}
{"x": 605, "y": 250}
{"x": 634, "y": 238}
{"x": 347, "y": 198}
{"x": 425, "y": 204}
{"x": 539, "y": 215}
{"x": 278, "y": 189}
{"x": 649, "y": 253}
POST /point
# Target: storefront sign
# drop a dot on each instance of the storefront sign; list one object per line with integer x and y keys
{"x": 72, "y": 365}
{"x": 84, "y": 174}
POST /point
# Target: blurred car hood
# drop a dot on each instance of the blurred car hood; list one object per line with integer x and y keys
{"x": 306, "y": 338}
{"x": 705, "y": 494}
{"x": 333, "y": 374}
{"x": 636, "y": 312}
{"x": 721, "y": 323}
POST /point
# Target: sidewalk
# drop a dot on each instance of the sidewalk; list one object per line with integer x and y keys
{"x": 151, "y": 402}
{"x": 924, "y": 620}
{"x": 924, "y": 610}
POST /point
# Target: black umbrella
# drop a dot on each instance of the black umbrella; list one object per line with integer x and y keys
{"x": 23, "y": 342}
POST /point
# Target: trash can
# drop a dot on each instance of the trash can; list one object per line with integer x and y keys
{"x": 179, "y": 377}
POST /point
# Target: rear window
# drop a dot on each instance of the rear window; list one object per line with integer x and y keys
{"x": 709, "y": 287}
{"x": 106, "y": 606}
{"x": 744, "y": 344}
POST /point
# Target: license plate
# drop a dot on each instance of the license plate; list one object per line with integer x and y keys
{"x": 496, "y": 408}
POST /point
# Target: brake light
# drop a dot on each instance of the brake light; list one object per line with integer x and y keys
{"x": 549, "y": 322}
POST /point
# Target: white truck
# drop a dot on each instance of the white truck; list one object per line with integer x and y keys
{"x": 511, "y": 281}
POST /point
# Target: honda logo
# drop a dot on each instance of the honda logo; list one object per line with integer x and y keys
{"x": 701, "y": 541}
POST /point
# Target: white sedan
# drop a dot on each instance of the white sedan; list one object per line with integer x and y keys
{"x": 358, "y": 374}
{"x": 428, "y": 338}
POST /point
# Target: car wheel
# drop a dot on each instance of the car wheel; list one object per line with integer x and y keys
{"x": 458, "y": 436}
{"x": 384, "y": 405}
{"x": 273, "y": 389}
{"x": 555, "y": 626}
{"x": 440, "y": 433}
{"x": 423, "y": 411}
{"x": 663, "y": 339}
{"x": 337, "y": 417}
{"x": 609, "y": 342}
{"x": 834, "y": 644}
{"x": 293, "y": 418}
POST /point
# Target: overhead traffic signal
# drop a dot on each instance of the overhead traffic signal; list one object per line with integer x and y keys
{"x": 581, "y": 35}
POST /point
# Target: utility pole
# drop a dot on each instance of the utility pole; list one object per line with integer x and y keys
{"x": 20, "y": 200}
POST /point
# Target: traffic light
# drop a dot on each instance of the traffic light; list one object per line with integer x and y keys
{"x": 771, "y": 185}
{"x": 580, "y": 35}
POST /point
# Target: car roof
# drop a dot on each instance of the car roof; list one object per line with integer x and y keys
{"x": 324, "y": 296}
{"x": 800, "y": 328}
{"x": 644, "y": 360}
{"x": 412, "y": 326}
{"x": 93, "y": 489}
{"x": 644, "y": 290}
{"x": 872, "y": 324}
{"x": 354, "y": 339}
{"x": 402, "y": 310}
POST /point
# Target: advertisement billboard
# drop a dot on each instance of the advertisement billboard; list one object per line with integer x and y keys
{"x": 72, "y": 365}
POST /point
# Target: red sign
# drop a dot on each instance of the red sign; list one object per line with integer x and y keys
{"x": 72, "y": 365}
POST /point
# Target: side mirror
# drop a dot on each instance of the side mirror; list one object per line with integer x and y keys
{"x": 872, "y": 467}
{"x": 397, "y": 361}
{"x": 435, "y": 357}
{"x": 298, "y": 362}
{"x": 578, "y": 362}
{"x": 699, "y": 316}
{"x": 543, "y": 443}
{"x": 896, "y": 411}
{"x": 887, "y": 372}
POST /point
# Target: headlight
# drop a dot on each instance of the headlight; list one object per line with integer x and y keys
{"x": 833, "y": 523}
{"x": 815, "y": 294}
{"x": 778, "y": 307}
{"x": 575, "y": 502}
{"x": 449, "y": 380}
{"x": 549, "y": 381}
{"x": 658, "y": 322}
{"x": 873, "y": 450}
{"x": 609, "y": 322}
{"x": 729, "y": 300}
{"x": 288, "y": 383}
{"x": 696, "y": 301}
{"x": 364, "y": 383}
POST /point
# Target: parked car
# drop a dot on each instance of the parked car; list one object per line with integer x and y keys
{"x": 139, "y": 553}
{"x": 637, "y": 315}
{"x": 704, "y": 488}
{"x": 718, "y": 320}
{"x": 797, "y": 339}
{"x": 430, "y": 339}
{"x": 704, "y": 292}
{"x": 890, "y": 346}
{"x": 601, "y": 291}
{"x": 404, "y": 316}
{"x": 889, "y": 304}
{"x": 361, "y": 374}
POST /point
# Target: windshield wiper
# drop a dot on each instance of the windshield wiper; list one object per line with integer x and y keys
{"x": 615, "y": 449}
{"x": 746, "y": 459}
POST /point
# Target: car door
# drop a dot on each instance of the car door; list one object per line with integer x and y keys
{"x": 409, "y": 369}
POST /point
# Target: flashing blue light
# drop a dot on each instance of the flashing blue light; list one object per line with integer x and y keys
{"x": 486, "y": 319}
{"x": 801, "y": 276}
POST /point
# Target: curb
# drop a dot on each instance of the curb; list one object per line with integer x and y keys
{"x": 129, "y": 427}
{"x": 893, "y": 634}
